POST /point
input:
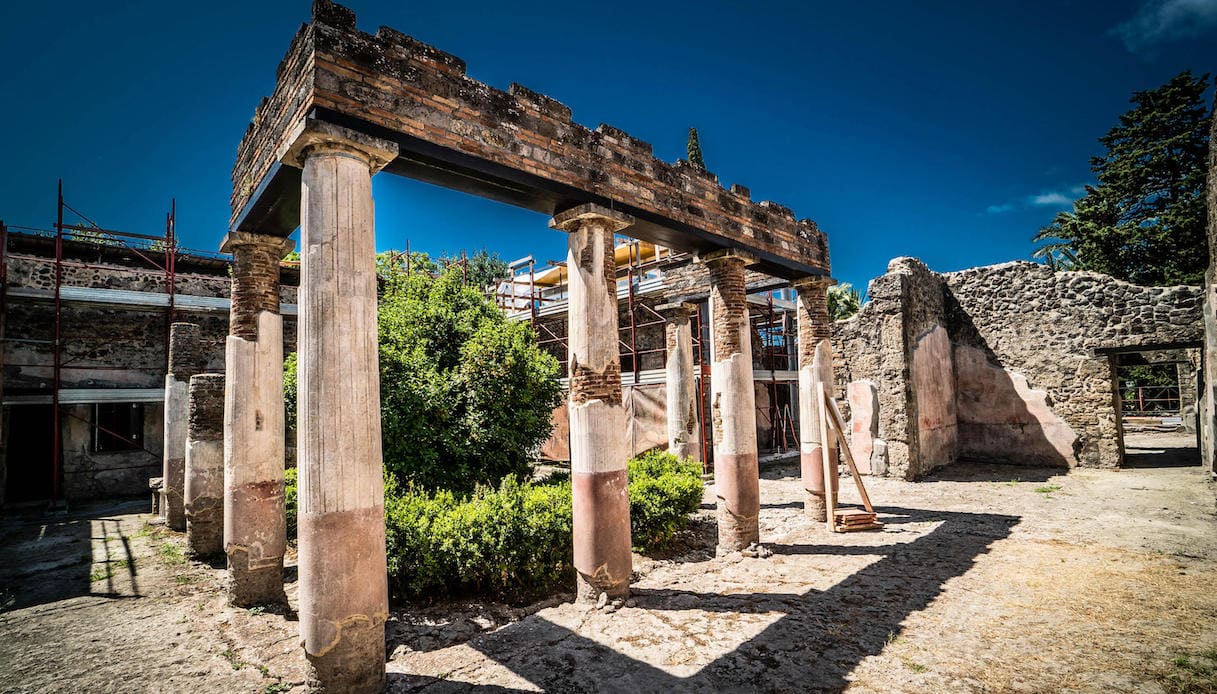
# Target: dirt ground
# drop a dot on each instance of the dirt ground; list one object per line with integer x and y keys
{"x": 986, "y": 579}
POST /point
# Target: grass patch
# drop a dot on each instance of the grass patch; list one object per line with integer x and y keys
{"x": 255, "y": 611}
{"x": 99, "y": 574}
{"x": 171, "y": 553}
{"x": 914, "y": 666}
{"x": 231, "y": 656}
{"x": 185, "y": 579}
{"x": 1047, "y": 490}
{"x": 1192, "y": 674}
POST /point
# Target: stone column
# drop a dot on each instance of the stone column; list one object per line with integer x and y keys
{"x": 344, "y": 595}
{"x": 598, "y": 453}
{"x": 815, "y": 366}
{"x": 186, "y": 359}
{"x": 681, "y": 390}
{"x": 205, "y": 466}
{"x": 733, "y": 404}
{"x": 255, "y": 532}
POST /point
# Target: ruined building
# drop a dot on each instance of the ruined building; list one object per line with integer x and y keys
{"x": 1007, "y": 363}
{"x": 85, "y": 354}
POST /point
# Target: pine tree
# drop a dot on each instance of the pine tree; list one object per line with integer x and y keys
{"x": 694, "y": 151}
{"x": 1145, "y": 219}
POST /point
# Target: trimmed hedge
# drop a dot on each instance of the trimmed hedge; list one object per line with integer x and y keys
{"x": 513, "y": 542}
{"x": 664, "y": 490}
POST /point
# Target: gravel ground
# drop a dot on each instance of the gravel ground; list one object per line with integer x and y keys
{"x": 986, "y": 579}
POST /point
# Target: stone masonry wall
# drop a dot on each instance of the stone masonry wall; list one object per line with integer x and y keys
{"x": 1047, "y": 326}
{"x": 905, "y": 317}
{"x": 1208, "y": 397}
{"x": 1026, "y": 366}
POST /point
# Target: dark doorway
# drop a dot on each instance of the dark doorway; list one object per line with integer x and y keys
{"x": 30, "y": 448}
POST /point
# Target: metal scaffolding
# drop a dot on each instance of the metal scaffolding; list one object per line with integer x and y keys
{"x": 159, "y": 252}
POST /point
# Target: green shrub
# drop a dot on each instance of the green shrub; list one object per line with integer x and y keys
{"x": 466, "y": 395}
{"x": 664, "y": 490}
{"x": 290, "y": 501}
{"x": 513, "y": 542}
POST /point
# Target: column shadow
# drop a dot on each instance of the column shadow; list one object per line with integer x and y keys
{"x": 821, "y": 638}
{"x": 45, "y": 557}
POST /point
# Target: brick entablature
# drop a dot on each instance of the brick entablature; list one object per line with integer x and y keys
{"x": 396, "y": 82}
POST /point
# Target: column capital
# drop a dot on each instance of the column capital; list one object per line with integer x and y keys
{"x": 274, "y": 244}
{"x": 821, "y": 282}
{"x": 679, "y": 310}
{"x": 314, "y": 136}
{"x": 727, "y": 254}
{"x": 576, "y": 217}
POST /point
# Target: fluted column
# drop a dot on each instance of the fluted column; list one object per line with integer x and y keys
{"x": 255, "y": 532}
{"x": 681, "y": 390}
{"x": 343, "y": 573}
{"x": 598, "y": 453}
{"x": 205, "y": 466}
{"x": 733, "y": 404}
{"x": 815, "y": 366}
{"x": 186, "y": 358}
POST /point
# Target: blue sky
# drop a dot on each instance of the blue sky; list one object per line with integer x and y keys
{"x": 948, "y": 131}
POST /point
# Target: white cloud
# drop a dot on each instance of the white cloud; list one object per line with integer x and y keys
{"x": 1050, "y": 199}
{"x": 1062, "y": 199}
{"x": 1160, "y": 21}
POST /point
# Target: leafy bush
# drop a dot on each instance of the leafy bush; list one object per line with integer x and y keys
{"x": 290, "y": 366}
{"x": 466, "y": 395}
{"x": 513, "y": 542}
{"x": 664, "y": 490}
{"x": 290, "y": 502}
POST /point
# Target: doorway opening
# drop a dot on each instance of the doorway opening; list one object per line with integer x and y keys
{"x": 1156, "y": 393}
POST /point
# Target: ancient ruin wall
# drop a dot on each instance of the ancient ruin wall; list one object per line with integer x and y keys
{"x": 1015, "y": 353}
{"x": 396, "y": 82}
{"x": 898, "y": 343}
{"x": 1046, "y": 327}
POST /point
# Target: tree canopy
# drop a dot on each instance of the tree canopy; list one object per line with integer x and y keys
{"x": 1144, "y": 221}
{"x": 843, "y": 301}
{"x": 466, "y": 395}
{"x": 693, "y": 149}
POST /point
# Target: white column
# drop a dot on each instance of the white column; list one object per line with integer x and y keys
{"x": 255, "y": 532}
{"x": 343, "y": 573}
{"x": 598, "y": 453}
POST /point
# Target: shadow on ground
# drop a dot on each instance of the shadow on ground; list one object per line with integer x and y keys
{"x": 842, "y": 626}
{"x": 47, "y": 557}
{"x": 1151, "y": 456}
{"x": 981, "y": 471}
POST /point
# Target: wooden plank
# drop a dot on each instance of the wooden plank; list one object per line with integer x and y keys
{"x": 839, "y": 429}
{"x": 826, "y": 460}
{"x": 869, "y": 526}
